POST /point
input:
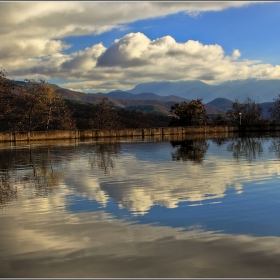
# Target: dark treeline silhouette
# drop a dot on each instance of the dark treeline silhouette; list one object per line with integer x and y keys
{"x": 37, "y": 106}
{"x": 244, "y": 112}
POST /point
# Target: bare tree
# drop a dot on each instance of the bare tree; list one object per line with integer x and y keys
{"x": 44, "y": 109}
{"x": 248, "y": 111}
{"x": 103, "y": 115}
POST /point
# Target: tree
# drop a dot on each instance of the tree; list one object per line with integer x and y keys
{"x": 188, "y": 113}
{"x": 219, "y": 119}
{"x": 275, "y": 111}
{"x": 103, "y": 115}
{"x": 6, "y": 96}
{"x": 251, "y": 112}
{"x": 43, "y": 109}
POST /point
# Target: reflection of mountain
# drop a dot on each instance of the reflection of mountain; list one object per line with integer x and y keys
{"x": 190, "y": 150}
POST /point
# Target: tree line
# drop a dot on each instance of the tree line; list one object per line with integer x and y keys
{"x": 246, "y": 112}
{"x": 38, "y": 106}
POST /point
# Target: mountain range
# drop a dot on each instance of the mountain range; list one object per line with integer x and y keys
{"x": 158, "y": 97}
{"x": 258, "y": 90}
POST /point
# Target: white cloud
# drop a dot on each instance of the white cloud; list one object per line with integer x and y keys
{"x": 236, "y": 54}
{"x": 32, "y": 46}
{"x": 135, "y": 58}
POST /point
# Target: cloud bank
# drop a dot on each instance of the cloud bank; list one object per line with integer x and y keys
{"x": 33, "y": 46}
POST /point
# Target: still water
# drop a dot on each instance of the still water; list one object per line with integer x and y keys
{"x": 193, "y": 207}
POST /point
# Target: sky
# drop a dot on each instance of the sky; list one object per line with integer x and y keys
{"x": 102, "y": 46}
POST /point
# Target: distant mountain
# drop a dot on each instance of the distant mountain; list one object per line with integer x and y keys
{"x": 143, "y": 96}
{"x": 128, "y": 104}
{"x": 265, "y": 106}
{"x": 170, "y": 88}
{"x": 212, "y": 110}
{"x": 221, "y": 103}
{"x": 148, "y": 101}
{"x": 259, "y": 90}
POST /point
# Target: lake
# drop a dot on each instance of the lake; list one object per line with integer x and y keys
{"x": 194, "y": 207}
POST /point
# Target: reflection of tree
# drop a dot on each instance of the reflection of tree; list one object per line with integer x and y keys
{"x": 275, "y": 147}
{"x": 219, "y": 141}
{"x": 34, "y": 168}
{"x": 104, "y": 155}
{"x": 245, "y": 147}
{"x": 44, "y": 175}
{"x": 7, "y": 191}
{"x": 189, "y": 150}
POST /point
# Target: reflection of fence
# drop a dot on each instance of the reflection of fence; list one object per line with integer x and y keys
{"x": 98, "y": 133}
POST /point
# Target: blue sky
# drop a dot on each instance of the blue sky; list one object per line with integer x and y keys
{"x": 253, "y": 29}
{"x": 102, "y": 46}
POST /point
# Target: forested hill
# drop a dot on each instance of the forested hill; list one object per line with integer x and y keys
{"x": 130, "y": 101}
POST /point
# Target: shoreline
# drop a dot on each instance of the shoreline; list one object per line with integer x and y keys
{"x": 139, "y": 132}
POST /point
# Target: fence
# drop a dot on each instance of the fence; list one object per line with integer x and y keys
{"x": 142, "y": 132}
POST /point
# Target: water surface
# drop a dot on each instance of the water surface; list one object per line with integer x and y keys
{"x": 193, "y": 207}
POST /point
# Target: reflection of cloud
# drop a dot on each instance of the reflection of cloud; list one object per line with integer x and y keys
{"x": 137, "y": 185}
{"x": 140, "y": 185}
{"x": 87, "y": 244}
{"x": 85, "y": 184}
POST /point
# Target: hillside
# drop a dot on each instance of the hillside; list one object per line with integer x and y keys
{"x": 221, "y": 103}
{"x": 160, "y": 104}
{"x": 154, "y": 109}
{"x": 74, "y": 95}
{"x": 154, "y": 103}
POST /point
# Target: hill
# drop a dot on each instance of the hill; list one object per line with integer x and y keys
{"x": 221, "y": 103}
{"x": 154, "y": 103}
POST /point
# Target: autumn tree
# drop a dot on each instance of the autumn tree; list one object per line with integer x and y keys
{"x": 44, "y": 109}
{"x": 251, "y": 112}
{"x": 103, "y": 115}
{"x": 188, "y": 113}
